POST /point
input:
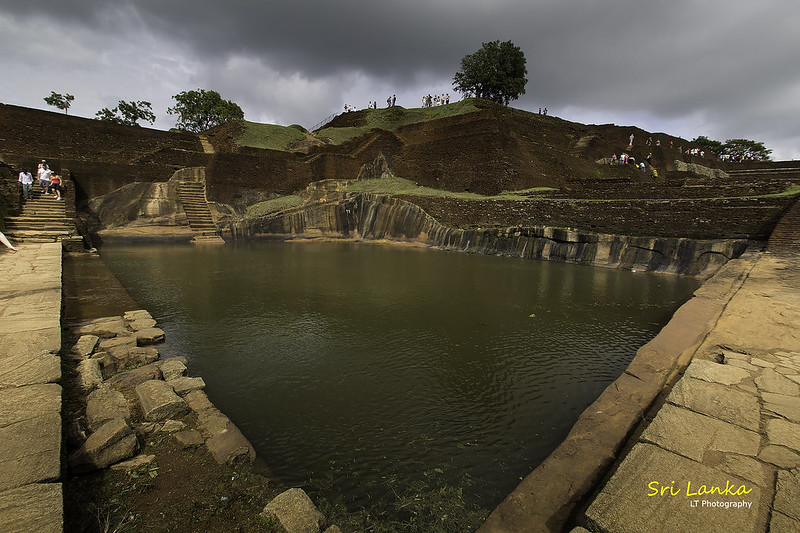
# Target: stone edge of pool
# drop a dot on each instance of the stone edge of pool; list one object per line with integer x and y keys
{"x": 546, "y": 499}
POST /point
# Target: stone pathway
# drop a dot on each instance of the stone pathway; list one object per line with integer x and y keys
{"x": 30, "y": 396}
{"x": 723, "y": 452}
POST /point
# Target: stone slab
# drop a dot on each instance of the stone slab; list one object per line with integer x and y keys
{"x": 774, "y": 382}
{"x": 780, "y": 456}
{"x": 31, "y": 451}
{"x": 85, "y": 345}
{"x": 184, "y": 385}
{"x": 717, "y": 401}
{"x": 23, "y": 403}
{"x": 632, "y": 500}
{"x": 693, "y": 435}
{"x": 159, "y": 401}
{"x": 716, "y": 372}
{"x": 36, "y": 508}
{"x": 230, "y": 446}
{"x": 105, "y": 404}
{"x": 783, "y": 433}
{"x": 114, "y": 441}
{"x": 786, "y": 406}
{"x": 787, "y": 493}
{"x": 148, "y": 336}
{"x": 173, "y": 368}
{"x": 103, "y": 327}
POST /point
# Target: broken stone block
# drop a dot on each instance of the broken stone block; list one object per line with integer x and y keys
{"x": 230, "y": 446}
{"x": 128, "y": 357}
{"x": 148, "y": 336}
{"x": 106, "y": 404}
{"x": 198, "y": 400}
{"x": 103, "y": 327}
{"x": 173, "y": 368}
{"x": 188, "y": 438}
{"x": 212, "y": 421}
{"x": 185, "y": 385}
{"x": 126, "y": 382}
{"x": 139, "y": 314}
{"x": 111, "y": 443}
{"x": 135, "y": 463}
{"x": 295, "y": 511}
{"x": 85, "y": 345}
{"x": 122, "y": 340}
{"x": 89, "y": 374}
{"x": 159, "y": 401}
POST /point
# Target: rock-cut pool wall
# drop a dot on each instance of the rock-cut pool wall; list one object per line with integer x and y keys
{"x": 380, "y": 217}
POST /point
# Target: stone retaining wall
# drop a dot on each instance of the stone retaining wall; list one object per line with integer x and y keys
{"x": 30, "y": 393}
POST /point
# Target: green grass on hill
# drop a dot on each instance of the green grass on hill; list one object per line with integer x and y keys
{"x": 391, "y": 118}
{"x": 273, "y": 206}
{"x": 275, "y": 137}
{"x": 269, "y": 136}
{"x": 402, "y": 186}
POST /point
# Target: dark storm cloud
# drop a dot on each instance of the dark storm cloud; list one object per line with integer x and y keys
{"x": 722, "y": 68}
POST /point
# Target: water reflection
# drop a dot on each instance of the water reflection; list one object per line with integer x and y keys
{"x": 358, "y": 363}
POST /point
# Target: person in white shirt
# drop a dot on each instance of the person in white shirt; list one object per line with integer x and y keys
{"x": 26, "y": 179}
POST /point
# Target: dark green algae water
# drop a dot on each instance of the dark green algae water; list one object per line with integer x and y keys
{"x": 360, "y": 370}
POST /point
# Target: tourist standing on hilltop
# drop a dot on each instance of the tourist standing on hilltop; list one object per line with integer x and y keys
{"x": 7, "y": 243}
{"x": 394, "y": 99}
{"x": 26, "y": 179}
{"x": 631, "y": 140}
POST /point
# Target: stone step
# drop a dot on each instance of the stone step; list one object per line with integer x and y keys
{"x": 37, "y": 235}
{"x": 57, "y": 228}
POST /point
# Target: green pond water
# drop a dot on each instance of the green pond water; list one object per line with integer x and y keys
{"x": 361, "y": 370}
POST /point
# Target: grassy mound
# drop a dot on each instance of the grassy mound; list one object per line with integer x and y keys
{"x": 270, "y": 136}
{"x": 348, "y": 126}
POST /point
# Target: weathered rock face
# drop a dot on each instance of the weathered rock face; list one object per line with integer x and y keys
{"x": 367, "y": 216}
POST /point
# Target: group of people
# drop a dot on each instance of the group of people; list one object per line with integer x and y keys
{"x": 649, "y": 142}
{"x": 625, "y": 159}
{"x": 430, "y": 101}
{"x": 49, "y": 181}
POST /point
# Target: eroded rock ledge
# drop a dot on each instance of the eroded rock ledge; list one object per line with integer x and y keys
{"x": 365, "y": 216}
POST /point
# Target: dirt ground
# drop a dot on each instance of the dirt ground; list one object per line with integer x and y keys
{"x": 184, "y": 490}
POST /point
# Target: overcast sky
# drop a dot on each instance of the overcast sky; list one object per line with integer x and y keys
{"x": 720, "y": 68}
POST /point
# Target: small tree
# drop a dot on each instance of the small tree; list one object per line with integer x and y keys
{"x": 61, "y": 101}
{"x": 496, "y": 71}
{"x": 128, "y": 113}
{"x": 199, "y": 110}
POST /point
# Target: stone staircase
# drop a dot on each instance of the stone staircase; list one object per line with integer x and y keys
{"x": 786, "y": 235}
{"x": 192, "y": 195}
{"x": 41, "y": 219}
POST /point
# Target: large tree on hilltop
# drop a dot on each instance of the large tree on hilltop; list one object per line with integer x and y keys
{"x": 747, "y": 149}
{"x": 199, "y": 110}
{"x": 496, "y": 72}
